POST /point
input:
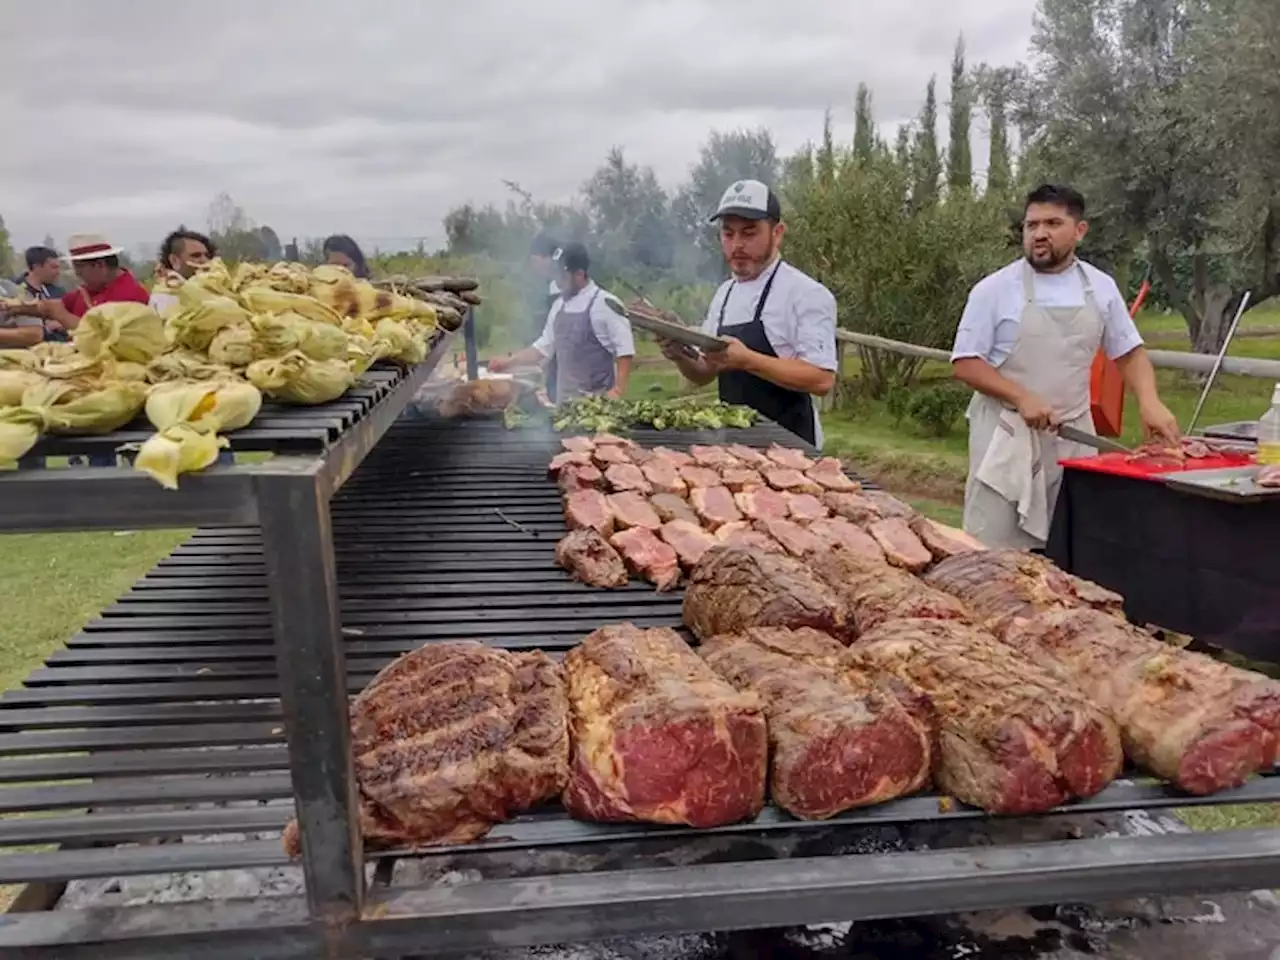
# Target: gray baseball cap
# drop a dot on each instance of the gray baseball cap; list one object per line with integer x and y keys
{"x": 749, "y": 199}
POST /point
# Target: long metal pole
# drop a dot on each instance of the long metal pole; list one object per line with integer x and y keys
{"x": 1213, "y": 375}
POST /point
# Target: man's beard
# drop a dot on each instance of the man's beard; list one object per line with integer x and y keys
{"x": 1048, "y": 263}
{"x": 756, "y": 266}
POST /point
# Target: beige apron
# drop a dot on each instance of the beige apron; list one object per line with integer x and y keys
{"x": 1014, "y": 476}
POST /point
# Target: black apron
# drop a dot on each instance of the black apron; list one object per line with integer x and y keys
{"x": 787, "y": 408}
{"x": 553, "y": 368}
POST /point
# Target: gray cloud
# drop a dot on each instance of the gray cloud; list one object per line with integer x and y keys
{"x": 376, "y": 118}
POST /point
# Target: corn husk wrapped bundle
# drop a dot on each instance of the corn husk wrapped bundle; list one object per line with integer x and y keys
{"x": 296, "y": 378}
{"x": 126, "y": 331}
{"x": 280, "y": 333}
{"x": 73, "y": 407}
{"x": 20, "y": 359}
{"x": 189, "y": 417}
{"x": 182, "y": 364}
{"x": 14, "y": 383}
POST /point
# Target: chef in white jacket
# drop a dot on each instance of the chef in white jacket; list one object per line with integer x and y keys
{"x": 1026, "y": 344}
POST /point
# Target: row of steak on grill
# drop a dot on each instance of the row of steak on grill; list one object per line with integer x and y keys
{"x": 831, "y": 683}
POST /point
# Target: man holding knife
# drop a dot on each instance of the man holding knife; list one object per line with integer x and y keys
{"x": 780, "y": 324}
{"x": 1026, "y": 344}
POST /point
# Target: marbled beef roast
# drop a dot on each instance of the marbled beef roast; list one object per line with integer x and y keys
{"x": 658, "y": 736}
{"x": 453, "y": 738}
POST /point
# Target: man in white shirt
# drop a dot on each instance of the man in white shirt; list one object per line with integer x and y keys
{"x": 1026, "y": 345}
{"x": 182, "y": 253}
{"x": 590, "y": 341}
{"x": 780, "y": 323}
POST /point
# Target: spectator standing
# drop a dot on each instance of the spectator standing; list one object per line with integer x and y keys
{"x": 181, "y": 255}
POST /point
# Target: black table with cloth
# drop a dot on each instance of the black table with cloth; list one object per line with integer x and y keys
{"x": 1188, "y": 563}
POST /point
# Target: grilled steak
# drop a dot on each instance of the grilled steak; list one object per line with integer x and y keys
{"x": 632, "y": 510}
{"x": 805, "y": 507}
{"x": 452, "y": 738}
{"x": 609, "y": 439}
{"x": 577, "y": 476}
{"x": 797, "y": 540}
{"x": 647, "y": 556}
{"x": 748, "y": 456}
{"x": 838, "y": 532}
{"x": 744, "y": 534}
{"x": 664, "y": 476}
{"x": 854, "y": 507}
{"x": 943, "y": 543}
{"x": 670, "y": 507}
{"x": 578, "y": 444}
{"x": 733, "y": 589}
{"x": 786, "y": 457}
{"x": 1186, "y": 717}
{"x": 829, "y": 474}
{"x": 714, "y": 506}
{"x": 1012, "y": 737}
{"x": 761, "y": 503}
{"x": 588, "y": 509}
{"x": 738, "y": 479}
{"x": 627, "y": 476}
{"x": 608, "y": 455}
{"x": 562, "y": 460}
{"x": 657, "y": 736}
{"x": 715, "y": 457}
{"x": 838, "y": 740}
{"x": 790, "y": 481}
{"x": 688, "y": 540}
{"x": 902, "y": 548}
{"x": 677, "y": 457}
{"x": 696, "y": 476}
{"x": 590, "y": 558}
{"x": 875, "y": 593}
{"x": 888, "y": 505}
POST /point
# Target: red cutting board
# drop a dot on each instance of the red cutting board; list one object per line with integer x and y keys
{"x": 1118, "y": 465}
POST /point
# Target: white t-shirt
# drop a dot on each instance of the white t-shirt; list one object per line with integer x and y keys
{"x": 612, "y": 330}
{"x": 162, "y": 302}
{"x": 989, "y": 327}
{"x": 799, "y": 317}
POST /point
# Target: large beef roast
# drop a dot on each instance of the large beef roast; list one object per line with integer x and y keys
{"x": 838, "y": 739}
{"x": 657, "y": 736}
{"x": 453, "y": 738}
{"x": 874, "y": 592}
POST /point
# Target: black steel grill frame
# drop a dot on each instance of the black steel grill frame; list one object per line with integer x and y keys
{"x": 447, "y": 531}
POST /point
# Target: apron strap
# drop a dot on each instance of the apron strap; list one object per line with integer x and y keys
{"x": 1028, "y": 283}
{"x": 764, "y": 295}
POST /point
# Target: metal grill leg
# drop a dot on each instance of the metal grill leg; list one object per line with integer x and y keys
{"x": 298, "y": 547}
{"x": 469, "y": 340}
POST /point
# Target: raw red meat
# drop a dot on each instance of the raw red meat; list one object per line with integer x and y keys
{"x": 664, "y": 476}
{"x": 943, "y": 543}
{"x": 627, "y": 476}
{"x": 632, "y": 510}
{"x": 647, "y": 556}
{"x": 786, "y": 457}
{"x": 657, "y": 736}
{"x": 874, "y": 592}
{"x": 562, "y": 460}
{"x": 1013, "y": 737}
{"x": 738, "y": 479}
{"x": 609, "y": 455}
{"x": 759, "y": 503}
{"x": 733, "y": 589}
{"x": 797, "y": 540}
{"x": 748, "y": 456}
{"x": 743, "y": 534}
{"x": 577, "y": 476}
{"x": 670, "y": 507}
{"x": 829, "y": 474}
{"x": 714, "y": 506}
{"x": 838, "y": 532}
{"x": 677, "y": 457}
{"x": 790, "y": 481}
{"x": 805, "y": 507}
{"x": 588, "y": 509}
{"x": 696, "y": 476}
{"x": 578, "y": 444}
{"x": 1186, "y": 717}
{"x": 688, "y": 540}
{"x": 714, "y": 457}
{"x": 838, "y": 739}
{"x": 590, "y": 558}
{"x": 902, "y": 548}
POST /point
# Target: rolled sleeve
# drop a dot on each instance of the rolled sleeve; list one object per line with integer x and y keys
{"x": 546, "y": 343}
{"x": 815, "y": 329}
{"x": 1120, "y": 334}
{"x": 976, "y": 335}
{"x": 613, "y": 331}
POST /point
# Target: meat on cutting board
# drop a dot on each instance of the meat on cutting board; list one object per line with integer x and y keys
{"x": 829, "y": 474}
{"x": 796, "y": 539}
{"x": 1013, "y": 737}
{"x": 789, "y": 458}
{"x": 838, "y": 740}
{"x": 677, "y": 457}
{"x": 734, "y": 588}
{"x": 578, "y": 444}
{"x": 838, "y": 532}
{"x": 588, "y": 509}
{"x": 577, "y": 476}
{"x": 714, "y": 506}
{"x": 744, "y": 534}
{"x": 760, "y": 503}
{"x": 805, "y": 507}
{"x": 689, "y": 541}
{"x": 608, "y": 455}
{"x": 670, "y": 507}
{"x": 696, "y": 476}
{"x": 589, "y": 557}
{"x": 790, "y": 481}
{"x": 658, "y": 736}
{"x": 874, "y": 592}
{"x": 452, "y": 738}
{"x": 630, "y": 509}
{"x": 901, "y": 546}
{"x": 664, "y": 476}
{"x": 562, "y": 460}
{"x": 943, "y": 542}
{"x": 1203, "y": 724}
{"x": 647, "y": 556}
{"x": 748, "y": 456}
{"x": 715, "y": 457}
{"x": 627, "y": 476}
{"x": 738, "y": 479}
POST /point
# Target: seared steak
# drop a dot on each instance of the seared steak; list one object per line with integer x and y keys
{"x": 688, "y": 540}
{"x": 790, "y": 481}
{"x": 632, "y": 510}
{"x": 670, "y": 507}
{"x": 590, "y": 558}
{"x": 714, "y": 506}
{"x": 875, "y": 593}
{"x": 588, "y": 509}
{"x": 696, "y": 476}
{"x": 789, "y": 458}
{"x": 664, "y": 476}
{"x": 902, "y": 548}
{"x": 761, "y": 503}
{"x": 805, "y": 507}
{"x": 838, "y": 532}
{"x": 647, "y": 556}
{"x": 627, "y": 476}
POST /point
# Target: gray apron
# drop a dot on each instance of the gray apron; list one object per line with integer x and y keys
{"x": 583, "y": 364}
{"x": 1052, "y": 357}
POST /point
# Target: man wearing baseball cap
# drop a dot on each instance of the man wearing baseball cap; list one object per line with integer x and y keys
{"x": 591, "y": 343}
{"x": 779, "y": 322}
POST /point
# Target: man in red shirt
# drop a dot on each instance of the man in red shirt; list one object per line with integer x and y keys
{"x": 102, "y": 280}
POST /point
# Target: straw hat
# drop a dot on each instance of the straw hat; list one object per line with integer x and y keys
{"x": 90, "y": 246}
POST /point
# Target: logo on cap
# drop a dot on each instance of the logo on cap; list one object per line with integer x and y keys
{"x": 738, "y": 187}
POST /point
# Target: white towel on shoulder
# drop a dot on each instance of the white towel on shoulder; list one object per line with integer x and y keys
{"x": 1014, "y": 468}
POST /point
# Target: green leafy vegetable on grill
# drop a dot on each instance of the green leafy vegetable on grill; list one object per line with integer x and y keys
{"x": 605, "y": 415}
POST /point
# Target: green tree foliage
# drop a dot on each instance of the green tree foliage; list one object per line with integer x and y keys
{"x": 926, "y": 161}
{"x": 864, "y": 125}
{"x": 235, "y": 235}
{"x": 960, "y": 153}
{"x": 995, "y": 88}
{"x": 6, "y": 252}
{"x": 628, "y": 212}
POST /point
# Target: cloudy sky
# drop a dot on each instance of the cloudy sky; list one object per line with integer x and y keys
{"x": 375, "y": 118}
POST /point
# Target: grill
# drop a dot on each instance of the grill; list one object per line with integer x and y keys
{"x": 173, "y": 705}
